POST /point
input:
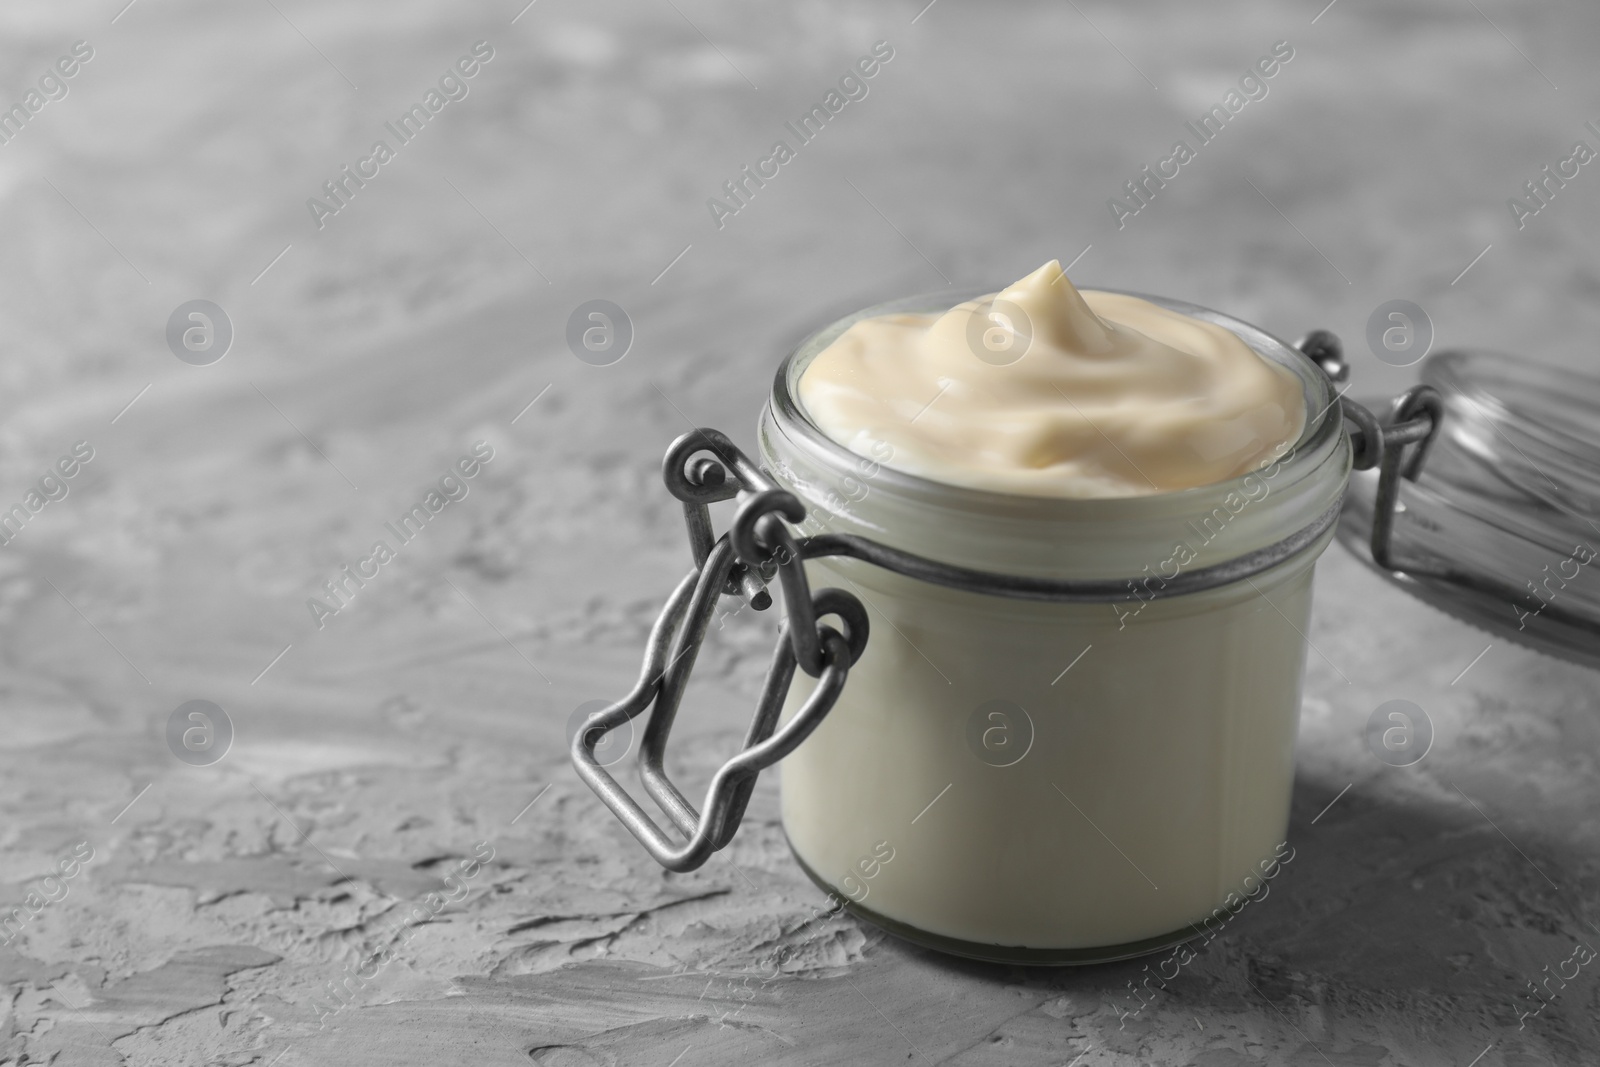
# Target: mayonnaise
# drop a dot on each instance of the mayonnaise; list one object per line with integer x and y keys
{"x": 1069, "y": 781}
{"x": 1046, "y": 391}
{"x": 1149, "y": 779}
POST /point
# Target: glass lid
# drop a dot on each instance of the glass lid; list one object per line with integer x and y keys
{"x": 1502, "y": 526}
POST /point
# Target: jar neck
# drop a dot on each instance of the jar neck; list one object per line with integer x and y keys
{"x": 1051, "y": 537}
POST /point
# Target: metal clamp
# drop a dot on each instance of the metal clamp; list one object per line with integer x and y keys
{"x": 703, "y": 467}
{"x": 739, "y": 563}
{"x": 1414, "y": 419}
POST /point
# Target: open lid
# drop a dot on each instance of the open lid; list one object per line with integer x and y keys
{"x": 1501, "y": 526}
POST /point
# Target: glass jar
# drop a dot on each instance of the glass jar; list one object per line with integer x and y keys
{"x": 1036, "y": 781}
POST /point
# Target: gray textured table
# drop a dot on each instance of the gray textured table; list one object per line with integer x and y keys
{"x": 416, "y": 736}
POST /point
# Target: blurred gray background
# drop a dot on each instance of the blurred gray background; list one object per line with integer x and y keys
{"x": 421, "y": 728}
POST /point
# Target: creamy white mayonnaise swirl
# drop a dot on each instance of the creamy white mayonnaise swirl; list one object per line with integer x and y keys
{"x": 1047, "y": 391}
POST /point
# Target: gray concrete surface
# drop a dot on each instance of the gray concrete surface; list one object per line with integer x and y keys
{"x": 421, "y": 728}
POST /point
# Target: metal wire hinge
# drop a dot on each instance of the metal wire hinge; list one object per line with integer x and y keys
{"x": 1414, "y": 420}
{"x": 758, "y": 546}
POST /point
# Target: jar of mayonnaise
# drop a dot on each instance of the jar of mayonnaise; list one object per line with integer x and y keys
{"x": 1059, "y": 781}
{"x": 1080, "y": 528}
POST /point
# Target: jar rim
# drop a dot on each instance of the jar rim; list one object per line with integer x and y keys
{"x": 1324, "y": 423}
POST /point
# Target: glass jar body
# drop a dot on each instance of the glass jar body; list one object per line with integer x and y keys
{"x": 1055, "y": 782}
{"x": 1046, "y": 777}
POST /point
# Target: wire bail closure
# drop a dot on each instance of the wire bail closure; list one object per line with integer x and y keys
{"x": 1414, "y": 420}
{"x": 739, "y": 563}
{"x": 760, "y": 546}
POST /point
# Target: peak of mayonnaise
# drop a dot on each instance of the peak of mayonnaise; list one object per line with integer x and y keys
{"x": 1045, "y": 390}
